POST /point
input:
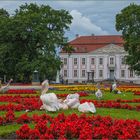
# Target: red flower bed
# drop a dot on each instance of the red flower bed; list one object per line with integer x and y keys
{"x": 16, "y": 98}
{"x": 74, "y": 127}
{"x": 110, "y": 104}
{"x": 10, "y": 117}
{"x": 21, "y": 91}
{"x": 34, "y": 103}
{"x": 81, "y": 94}
{"x": 81, "y": 127}
{"x": 138, "y": 107}
{"x": 137, "y": 93}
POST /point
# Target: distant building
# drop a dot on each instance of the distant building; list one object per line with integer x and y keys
{"x": 98, "y": 58}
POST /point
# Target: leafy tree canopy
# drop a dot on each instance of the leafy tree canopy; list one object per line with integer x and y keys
{"x": 128, "y": 21}
{"x": 29, "y": 40}
{"x": 3, "y": 13}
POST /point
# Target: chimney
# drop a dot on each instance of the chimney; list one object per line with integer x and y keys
{"x": 77, "y": 35}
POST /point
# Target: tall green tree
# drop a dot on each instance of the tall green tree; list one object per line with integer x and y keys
{"x": 29, "y": 40}
{"x": 69, "y": 49}
{"x": 128, "y": 21}
{"x": 3, "y": 13}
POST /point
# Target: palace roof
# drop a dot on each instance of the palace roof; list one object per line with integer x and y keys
{"x": 85, "y": 44}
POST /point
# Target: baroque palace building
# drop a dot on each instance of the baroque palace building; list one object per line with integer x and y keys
{"x": 96, "y": 58}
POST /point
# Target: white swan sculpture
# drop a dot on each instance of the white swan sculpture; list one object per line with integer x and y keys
{"x": 98, "y": 93}
{"x": 49, "y": 100}
{"x": 114, "y": 88}
{"x": 72, "y": 100}
{"x": 6, "y": 88}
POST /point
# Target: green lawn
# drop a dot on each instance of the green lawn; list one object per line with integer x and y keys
{"x": 7, "y": 129}
{"x": 132, "y": 104}
{"x": 112, "y": 96}
{"x": 5, "y": 103}
{"x": 4, "y": 130}
{"x": 115, "y": 113}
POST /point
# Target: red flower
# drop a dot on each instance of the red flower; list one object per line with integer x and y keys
{"x": 23, "y": 132}
{"x": 34, "y": 134}
{"x": 47, "y": 136}
{"x": 23, "y": 119}
{"x": 10, "y": 116}
{"x": 42, "y": 126}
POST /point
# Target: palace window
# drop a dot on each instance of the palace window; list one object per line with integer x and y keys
{"x": 101, "y": 61}
{"x": 65, "y": 73}
{"x": 111, "y": 61}
{"x": 123, "y": 60}
{"x": 75, "y": 61}
{"x": 92, "y": 61}
{"x": 131, "y": 73}
{"x": 123, "y": 73}
{"x": 75, "y": 73}
{"x": 83, "y": 61}
{"x": 83, "y": 73}
{"x": 65, "y": 61}
{"x": 100, "y": 73}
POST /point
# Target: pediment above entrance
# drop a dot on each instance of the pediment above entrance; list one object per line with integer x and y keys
{"x": 111, "y": 48}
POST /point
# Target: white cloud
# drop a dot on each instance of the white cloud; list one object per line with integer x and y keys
{"x": 82, "y": 24}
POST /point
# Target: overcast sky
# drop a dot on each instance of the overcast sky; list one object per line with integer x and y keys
{"x": 89, "y": 17}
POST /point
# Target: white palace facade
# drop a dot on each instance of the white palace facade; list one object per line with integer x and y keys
{"x": 99, "y": 57}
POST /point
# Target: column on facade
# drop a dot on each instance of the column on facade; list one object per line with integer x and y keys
{"x": 97, "y": 68}
{"x": 105, "y": 68}
{"x": 108, "y": 70}
{"x": 87, "y": 65}
{"x": 78, "y": 69}
{"x": 118, "y": 66}
{"x": 126, "y": 72}
{"x": 70, "y": 69}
